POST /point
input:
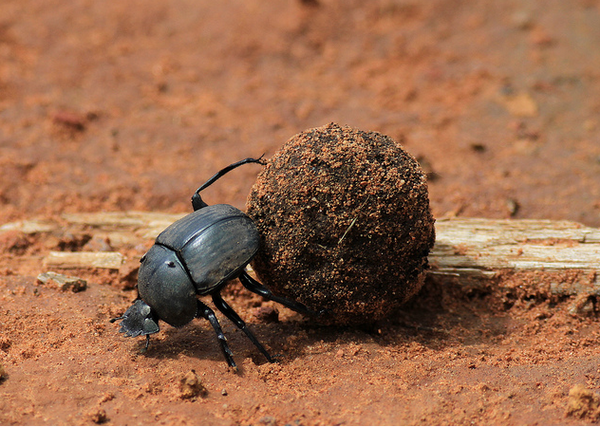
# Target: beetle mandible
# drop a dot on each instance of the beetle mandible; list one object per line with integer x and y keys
{"x": 198, "y": 255}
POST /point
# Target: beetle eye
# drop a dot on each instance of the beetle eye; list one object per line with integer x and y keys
{"x": 143, "y": 258}
{"x": 170, "y": 264}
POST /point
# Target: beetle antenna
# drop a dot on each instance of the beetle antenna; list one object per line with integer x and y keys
{"x": 197, "y": 202}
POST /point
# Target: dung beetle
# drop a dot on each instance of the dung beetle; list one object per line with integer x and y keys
{"x": 198, "y": 255}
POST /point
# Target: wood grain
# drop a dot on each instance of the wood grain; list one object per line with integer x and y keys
{"x": 466, "y": 248}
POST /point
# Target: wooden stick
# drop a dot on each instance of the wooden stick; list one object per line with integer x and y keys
{"x": 68, "y": 260}
{"x": 475, "y": 247}
{"x": 466, "y": 248}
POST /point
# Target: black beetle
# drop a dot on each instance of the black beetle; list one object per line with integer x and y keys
{"x": 198, "y": 255}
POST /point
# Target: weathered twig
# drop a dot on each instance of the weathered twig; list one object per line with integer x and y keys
{"x": 466, "y": 248}
{"x": 108, "y": 260}
{"x": 473, "y": 246}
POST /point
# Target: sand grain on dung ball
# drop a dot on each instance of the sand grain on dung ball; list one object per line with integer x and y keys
{"x": 345, "y": 223}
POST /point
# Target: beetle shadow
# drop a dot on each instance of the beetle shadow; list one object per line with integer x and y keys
{"x": 442, "y": 314}
{"x": 192, "y": 340}
{"x": 198, "y": 340}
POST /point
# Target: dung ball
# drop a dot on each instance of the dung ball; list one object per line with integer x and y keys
{"x": 345, "y": 223}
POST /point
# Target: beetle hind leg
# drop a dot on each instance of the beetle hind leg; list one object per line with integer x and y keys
{"x": 233, "y": 316}
{"x": 258, "y": 288}
{"x": 205, "y": 312}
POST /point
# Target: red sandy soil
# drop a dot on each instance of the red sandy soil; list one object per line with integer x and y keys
{"x": 110, "y": 106}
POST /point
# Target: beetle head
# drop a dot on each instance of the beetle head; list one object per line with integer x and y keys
{"x": 139, "y": 319}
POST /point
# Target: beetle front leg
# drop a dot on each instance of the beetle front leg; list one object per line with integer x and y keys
{"x": 258, "y": 288}
{"x": 205, "y": 312}
{"x": 233, "y": 316}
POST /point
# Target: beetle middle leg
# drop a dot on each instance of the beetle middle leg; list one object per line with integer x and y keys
{"x": 233, "y": 316}
{"x": 258, "y": 288}
{"x": 206, "y": 312}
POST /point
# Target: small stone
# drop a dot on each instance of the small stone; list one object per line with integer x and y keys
{"x": 268, "y": 420}
{"x": 98, "y": 416}
{"x": 520, "y": 104}
{"x": 513, "y": 206}
{"x": 98, "y": 244}
{"x": 63, "y": 282}
{"x": 106, "y": 397}
{"x": 190, "y": 386}
{"x": 583, "y": 402}
{"x": 69, "y": 119}
{"x": 522, "y": 20}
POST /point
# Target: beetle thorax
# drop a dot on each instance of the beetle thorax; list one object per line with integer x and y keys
{"x": 164, "y": 284}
